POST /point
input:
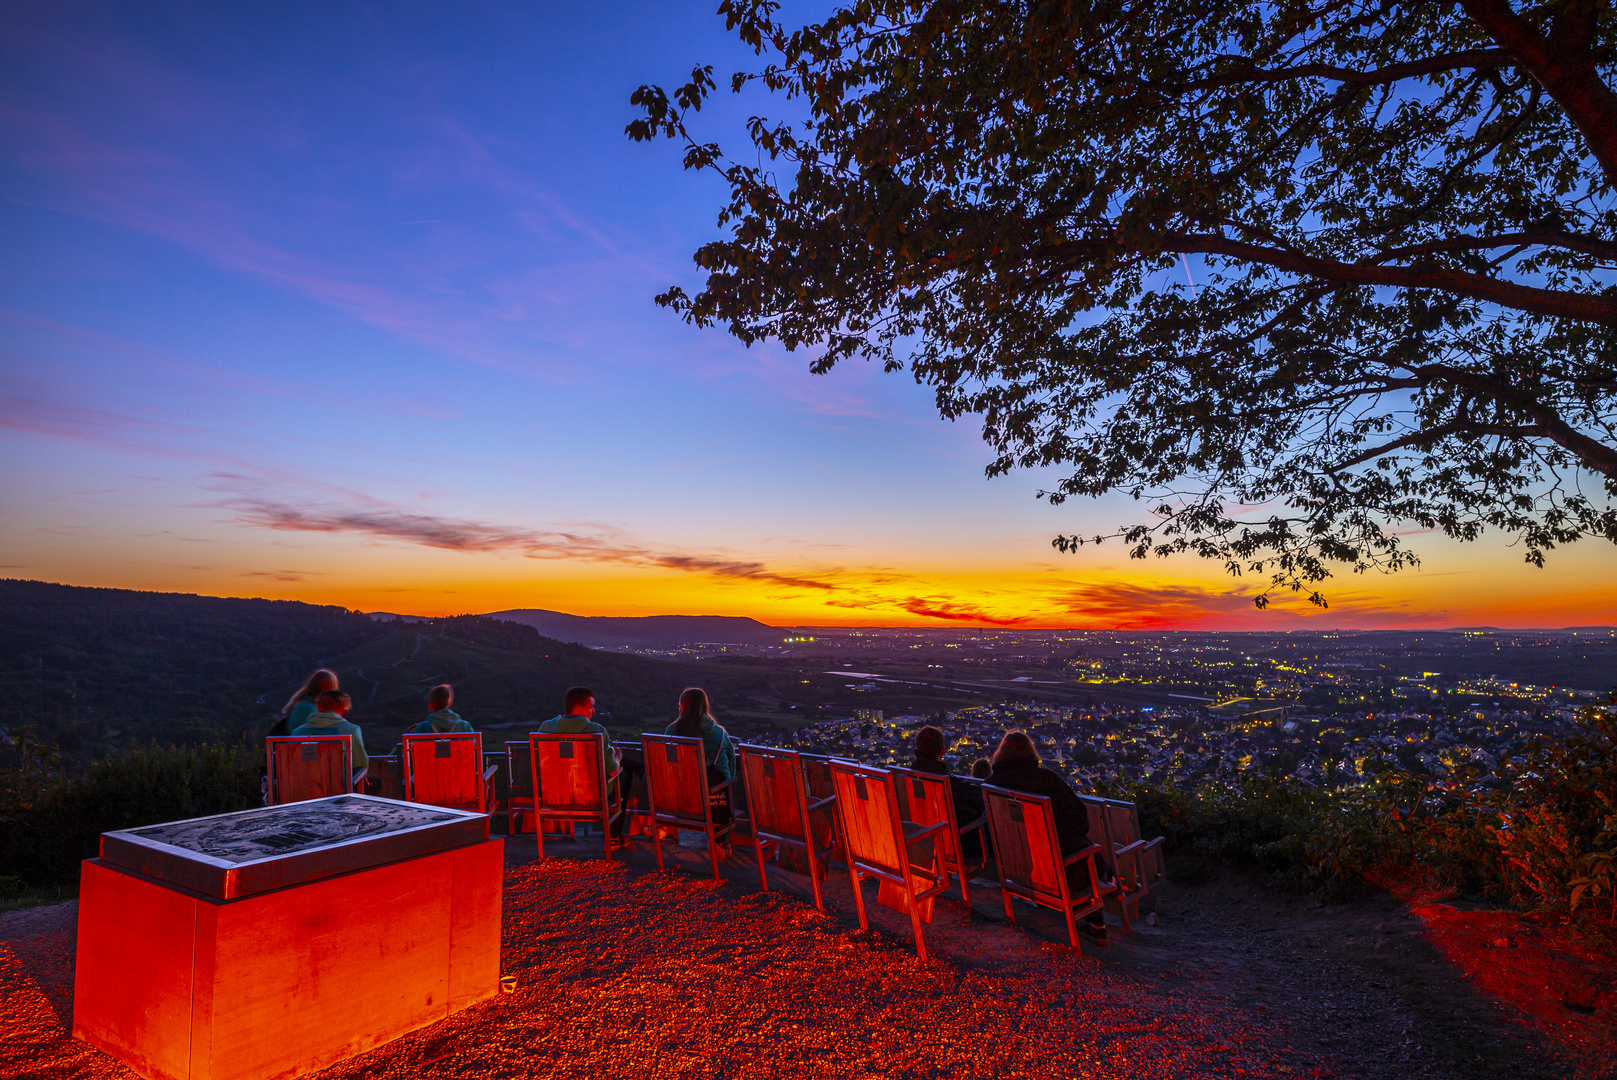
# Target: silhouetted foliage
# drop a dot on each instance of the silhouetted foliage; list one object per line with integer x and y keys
{"x": 1403, "y": 216}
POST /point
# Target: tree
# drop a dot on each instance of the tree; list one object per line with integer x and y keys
{"x": 1402, "y": 311}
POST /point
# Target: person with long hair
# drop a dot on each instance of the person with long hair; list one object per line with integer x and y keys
{"x": 1016, "y": 766}
{"x": 696, "y": 721}
{"x": 930, "y": 746}
{"x": 304, "y": 702}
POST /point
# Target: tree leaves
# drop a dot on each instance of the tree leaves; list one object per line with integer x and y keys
{"x": 1406, "y": 233}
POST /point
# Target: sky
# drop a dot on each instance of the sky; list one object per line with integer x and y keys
{"x": 352, "y": 304}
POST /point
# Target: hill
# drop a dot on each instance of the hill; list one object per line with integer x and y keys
{"x": 97, "y": 670}
{"x": 650, "y": 631}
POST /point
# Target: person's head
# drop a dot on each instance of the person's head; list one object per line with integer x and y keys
{"x": 578, "y": 701}
{"x": 929, "y": 744}
{"x": 982, "y": 768}
{"x": 440, "y": 697}
{"x": 334, "y": 701}
{"x": 1015, "y": 749}
{"x": 693, "y": 709}
{"x": 315, "y": 685}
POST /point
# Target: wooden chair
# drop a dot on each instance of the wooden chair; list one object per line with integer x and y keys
{"x": 303, "y": 767}
{"x": 519, "y": 787}
{"x": 384, "y": 777}
{"x": 878, "y": 842}
{"x": 679, "y": 794}
{"x": 780, "y": 811}
{"x": 570, "y": 784}
{"x": 928, "y": 799}
{"x": 447, "y": 770}
{"x": 820, "y": 790}
{"x": 1136, "y": 862}
{"x": 1029, "y": 860}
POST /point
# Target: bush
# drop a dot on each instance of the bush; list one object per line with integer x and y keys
{"x": 50, "y": 820}
{"x": 1546, "y": 838}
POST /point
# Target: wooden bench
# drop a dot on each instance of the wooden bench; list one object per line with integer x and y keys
{"x": 679, "y": 794}
{"x": 446, "y": 769}
{"x": 781, "y": 812}
{"x": 570, "y": 784}
{"x": 1136, "y": 862}
{"x": 878, "y": 843}
{"x": 300, "y": 767}
{"x": 928, "y": 799}
{"x": 1029, "y": 859}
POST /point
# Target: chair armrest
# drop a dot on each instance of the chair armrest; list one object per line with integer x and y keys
{"x": 358, "y": 776}
{"x": 613, "y": 775}
{"x": 922, "y": 833}
{"x": 971, "y": 826}
{"x": 1068, "y": 860}
{"x": 1129, "y": 849}
{"x": 821, "y": 804}
{"x": 488, "y": 773}
{"x": 721, "y": 785}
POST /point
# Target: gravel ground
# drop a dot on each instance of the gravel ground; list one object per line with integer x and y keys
{"x": 627, "y": 972}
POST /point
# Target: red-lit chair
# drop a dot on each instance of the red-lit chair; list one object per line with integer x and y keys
{"x": 878, "y": 843}
{"x": 384, "y": 777}
{"x": 1030, "y": 862}
{"x": 303, "y": 767}
{"x": 1137, "y": 862}
{"x": 679, "y": 794}
{"x": 447, "y": 770}
{"x": 781, "y": 812}
{"x": 928, "y": 799}
{"x": 570, "y": 784}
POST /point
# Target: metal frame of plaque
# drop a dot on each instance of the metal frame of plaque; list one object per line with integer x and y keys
{"x": 272, "y": 847}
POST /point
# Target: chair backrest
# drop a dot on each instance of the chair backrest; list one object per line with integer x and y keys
{"x": 676, "y": 771}
{"x": 867, "y": 801}
{"x": 308, "y": 767}
{"x": 1123, "y": 828}
{"x": 386, "y": 776}
{"x": 775, "y": 787}
{"x": 519, "y": 769}
{"x": 567, "y": 772}
{"x": 925, "y": 797}
{"x": 444, "y": 769}
{"x": 1025, "y": 840}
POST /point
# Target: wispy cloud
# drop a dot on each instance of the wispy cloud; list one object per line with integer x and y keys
{"x": 594, "y": 544}
{"x": 950, "y": 611}
{"x": 1151, "y": 605}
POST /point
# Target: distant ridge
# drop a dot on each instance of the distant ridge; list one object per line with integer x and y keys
{"x": 654, "y": 631}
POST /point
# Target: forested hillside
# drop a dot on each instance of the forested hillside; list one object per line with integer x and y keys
{"x": 96, "y": 670}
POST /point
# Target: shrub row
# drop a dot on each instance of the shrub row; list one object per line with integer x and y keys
{"x": 50, "y": 821}
{"x": 1546, "y": 838}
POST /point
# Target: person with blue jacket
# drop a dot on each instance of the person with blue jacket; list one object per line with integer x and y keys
{"x": 332, "y": 719}
{"x": 442, "y": 719}
{"x": 696, "y": 722}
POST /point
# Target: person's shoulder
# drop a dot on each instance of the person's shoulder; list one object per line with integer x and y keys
{"x": 548, "y": 727}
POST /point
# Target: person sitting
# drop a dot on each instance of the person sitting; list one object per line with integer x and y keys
{"x": 301, "y": 705}
{"x": 332, "y": 719}
{"x": 968, "y": 801}
{"x": 1016, "y": 766}
{"x": 442, "y": 719}
{"x": 981, "y": 768}
{"x": 695, "y": 721}
{"x": 577, "y": 709}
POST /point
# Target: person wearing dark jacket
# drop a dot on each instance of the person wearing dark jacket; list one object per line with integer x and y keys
{"x": 968, "y": 800}
{"x": 1016, "y": 766}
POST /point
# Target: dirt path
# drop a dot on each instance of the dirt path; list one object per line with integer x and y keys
{"x": 627, "y": 972}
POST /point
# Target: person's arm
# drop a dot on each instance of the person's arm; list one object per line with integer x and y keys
{"x": 361, "y": 758}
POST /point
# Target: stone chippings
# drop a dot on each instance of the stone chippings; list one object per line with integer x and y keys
{"x": 626, "y": 972}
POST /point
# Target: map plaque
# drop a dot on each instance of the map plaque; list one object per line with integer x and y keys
{"x": 268, "y": 943}
{"x": 272, "y": 847}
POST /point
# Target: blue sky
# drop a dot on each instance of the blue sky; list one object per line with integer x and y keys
{"x": 353, "y": 304}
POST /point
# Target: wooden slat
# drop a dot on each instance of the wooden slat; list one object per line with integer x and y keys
{"x": 568, "y": 771}
{"x": 773, "y": 783}
{"x": 679, "y": 787}
{"x": 451, "y": 777}
{"x": 869, "y": 813}
{"x": 294, "y": 779}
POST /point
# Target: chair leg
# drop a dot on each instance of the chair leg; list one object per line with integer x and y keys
{"x": 915, "y": 924}
{"x": 712, "y": 845}
{"x": 858, "y": 895}
{"x": 960, "y": 871}
{"x": 814, "y": 872}
{"x": 758, "y": 850}
{"x": 539, "y": 832}
{"x": 1072, "y": 926}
